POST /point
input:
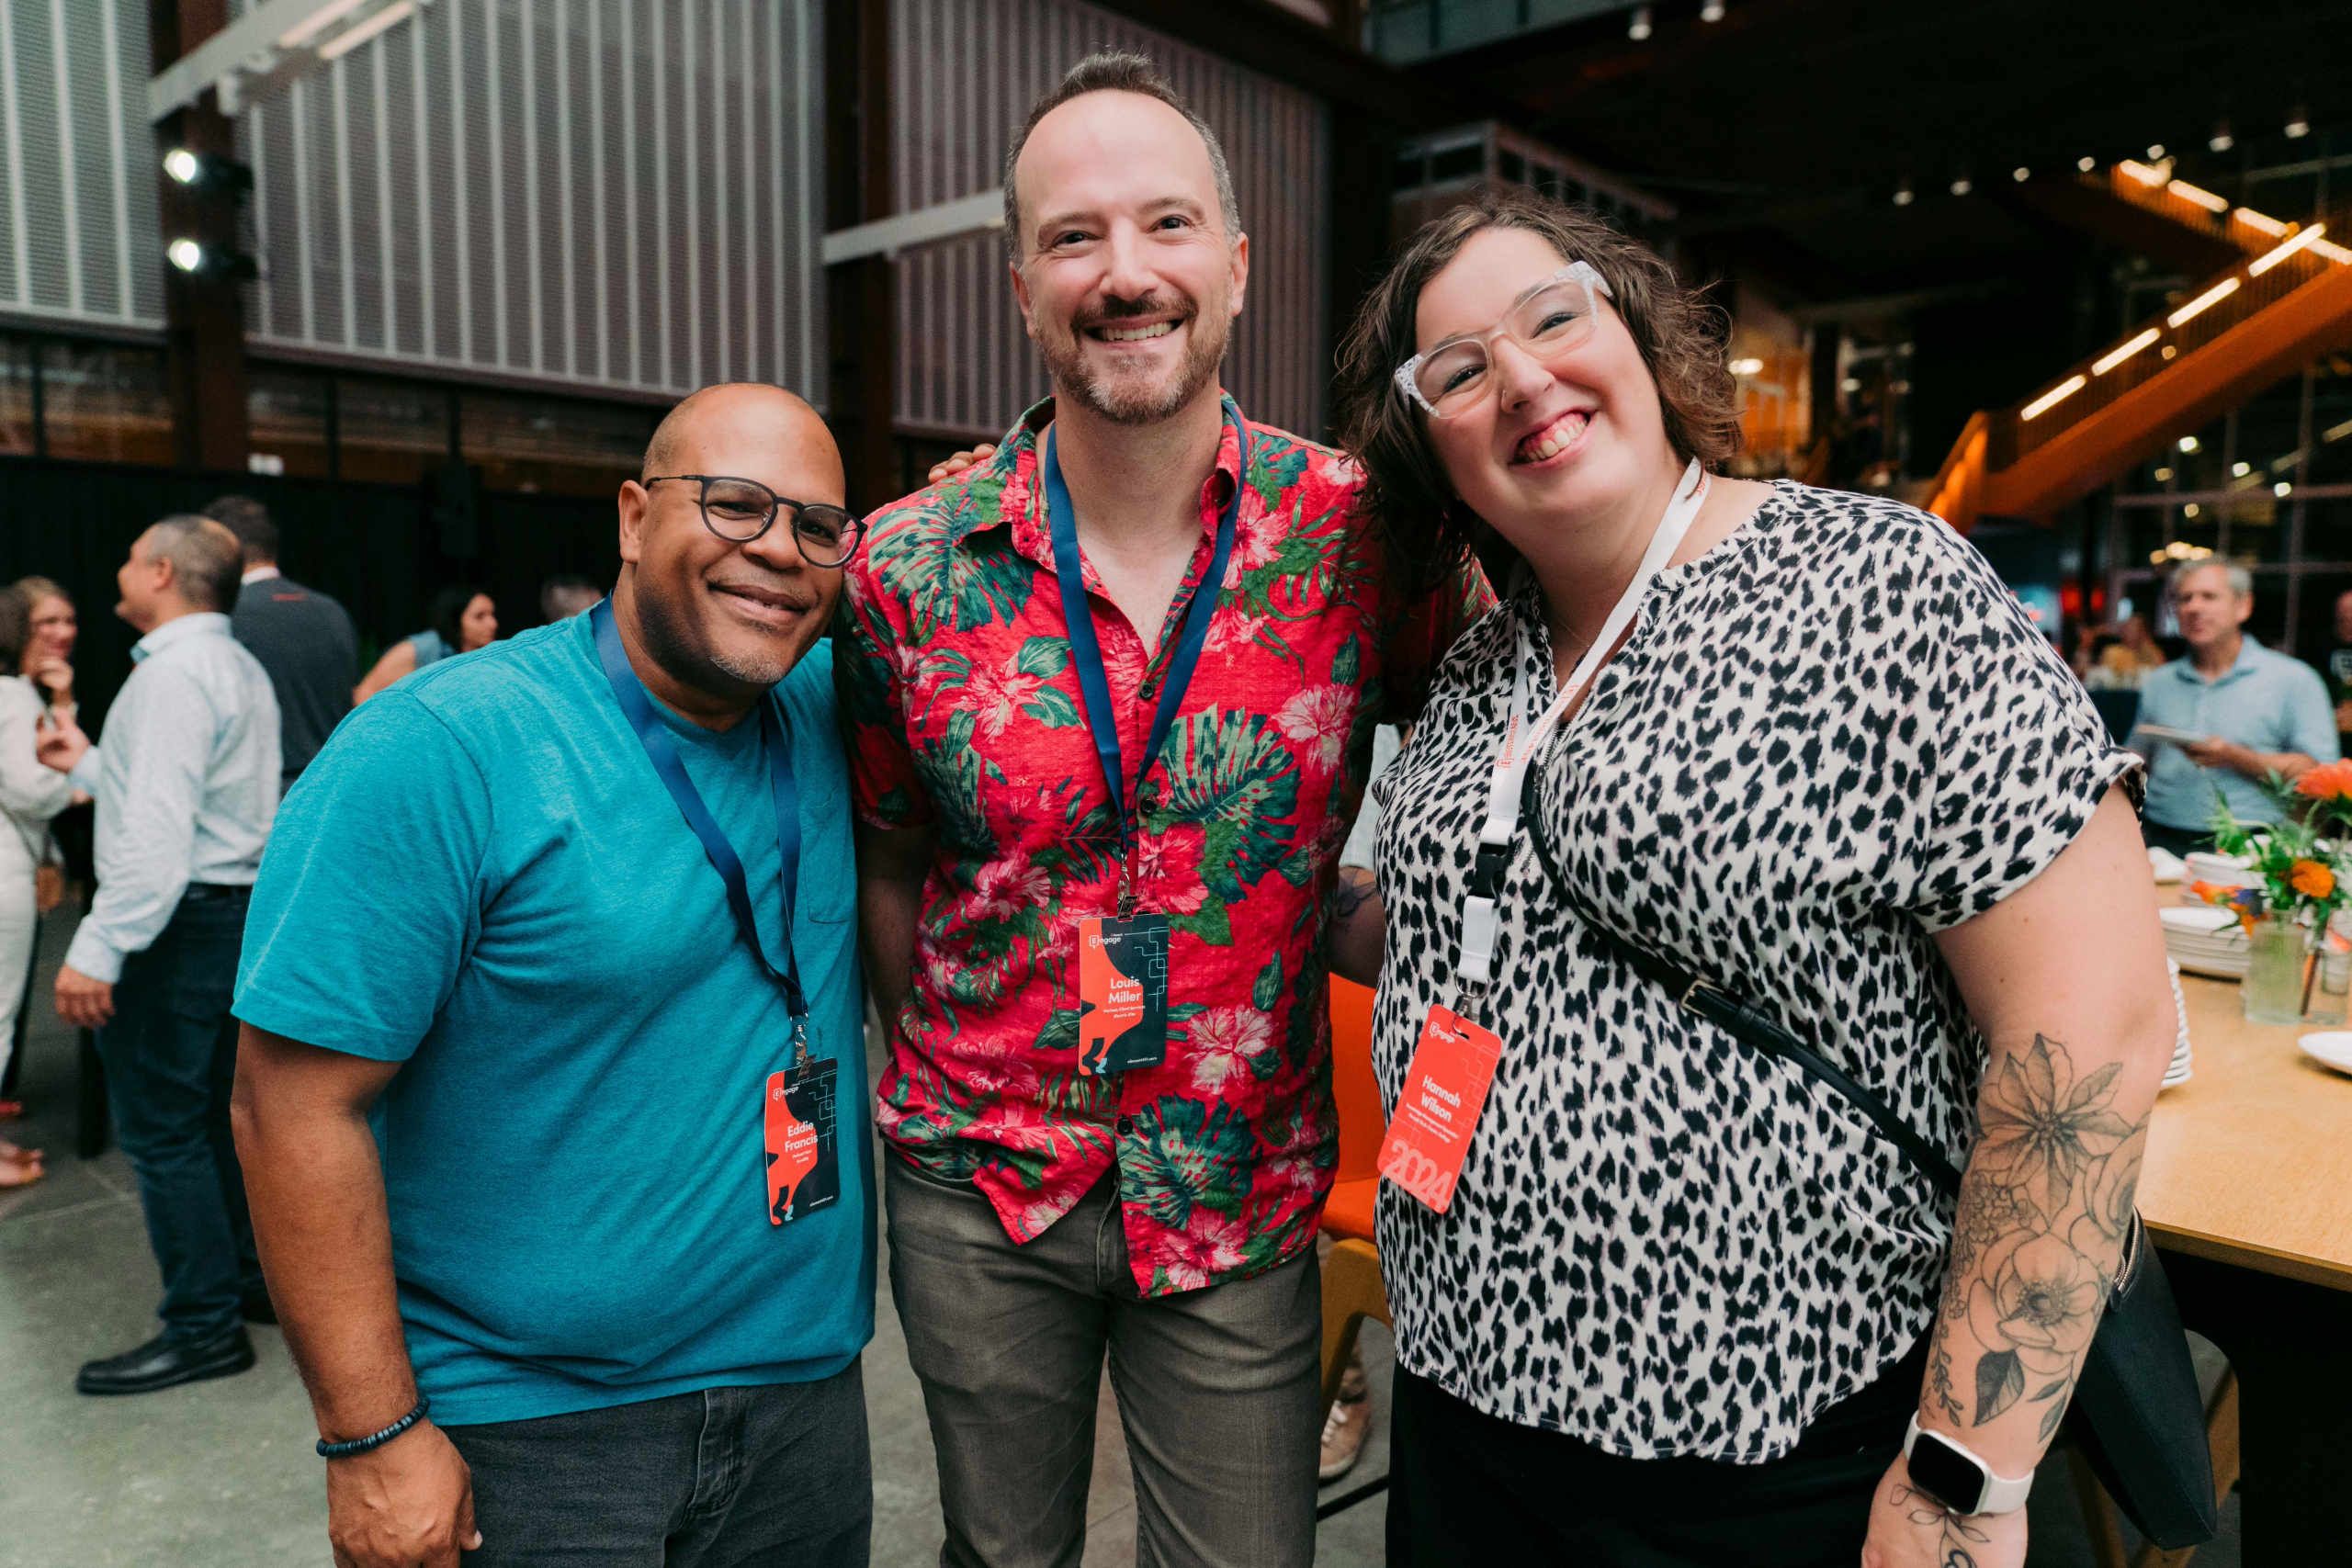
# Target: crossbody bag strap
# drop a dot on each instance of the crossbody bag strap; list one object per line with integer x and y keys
{"x": 1733, "y": 1013}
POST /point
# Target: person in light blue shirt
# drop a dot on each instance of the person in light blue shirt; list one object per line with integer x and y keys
{"x": 2259, "y": 713}
{"x": 186, "y": 784}
{"x": 514, "y": 1067}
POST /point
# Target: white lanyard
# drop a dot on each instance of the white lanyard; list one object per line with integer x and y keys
{"x": 1481, "y": 918}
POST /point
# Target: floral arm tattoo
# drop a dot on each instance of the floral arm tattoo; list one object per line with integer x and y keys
{"x": 2044, "y": 1209}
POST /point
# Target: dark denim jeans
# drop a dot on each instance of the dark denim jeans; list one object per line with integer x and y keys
{"x": 776, "y": 1475}
{"x": 171, "y": 1055}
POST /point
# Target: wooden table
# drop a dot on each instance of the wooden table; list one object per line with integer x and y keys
{"x": 2247, "y": 1188}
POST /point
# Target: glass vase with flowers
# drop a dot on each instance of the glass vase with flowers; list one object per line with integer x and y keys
{"x": 2306, "y": 878}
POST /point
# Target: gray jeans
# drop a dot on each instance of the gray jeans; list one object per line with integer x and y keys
{"x": 1218, "y": 1387}
{"x": 776, "y": 1475}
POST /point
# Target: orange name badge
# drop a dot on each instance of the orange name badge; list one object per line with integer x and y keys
{"x": 1122, "y": 993}
{"x": 796, "y": 1148}
{"x": 1445, "y": 1090}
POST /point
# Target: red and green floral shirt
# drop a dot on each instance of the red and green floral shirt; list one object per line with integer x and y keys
{"x": 966, "y": 715}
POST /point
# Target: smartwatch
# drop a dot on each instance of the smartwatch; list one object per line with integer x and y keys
{"x": 1948, "y": 1473}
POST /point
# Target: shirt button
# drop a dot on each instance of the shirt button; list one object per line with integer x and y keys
{"x": 1126, "y": 1126}
{"x": 1146, "y": 689}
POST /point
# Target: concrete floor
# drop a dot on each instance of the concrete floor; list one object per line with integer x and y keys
{"x": 220, "y": 1474}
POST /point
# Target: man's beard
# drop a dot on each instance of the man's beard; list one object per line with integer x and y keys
{"x": 668, "y": 640}
{"x": 1131, "y": 403}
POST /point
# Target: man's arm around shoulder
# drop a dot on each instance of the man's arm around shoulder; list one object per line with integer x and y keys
{"x": 319, "y": 1218}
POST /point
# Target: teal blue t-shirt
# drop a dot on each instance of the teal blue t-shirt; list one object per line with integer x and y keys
{"x": 482, "y": 877}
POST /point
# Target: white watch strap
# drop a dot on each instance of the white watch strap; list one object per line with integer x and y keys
{"x": 2002, "y": 1495}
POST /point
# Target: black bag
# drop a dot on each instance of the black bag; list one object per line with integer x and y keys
{"x": 2136, "y": 1415}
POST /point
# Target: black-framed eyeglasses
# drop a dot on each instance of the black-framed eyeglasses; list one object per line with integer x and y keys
{"x": 740, "y": 510}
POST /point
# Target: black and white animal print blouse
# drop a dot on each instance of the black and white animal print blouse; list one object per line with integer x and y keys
{"x": 1829, "y": 736}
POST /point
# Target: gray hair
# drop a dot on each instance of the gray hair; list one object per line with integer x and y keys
{"x": 205, "y": 558}
{"x": 1110, "y": 71}
{"x": 2241, "y": 580}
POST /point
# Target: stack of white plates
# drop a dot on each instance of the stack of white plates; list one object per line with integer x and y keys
{"x": 2178, "y": 1071}
{"x": 2205, "y": 940}
{"x": 2166, "y": 866}
{"x": 2223, "y": 870}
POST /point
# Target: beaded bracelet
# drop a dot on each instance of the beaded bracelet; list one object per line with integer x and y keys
{"x": 376, "y": 1439}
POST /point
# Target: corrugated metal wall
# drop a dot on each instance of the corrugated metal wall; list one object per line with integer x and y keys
{"x": 608, "y": 194}
{"x": 965, "y": 73}
{"x": 78, "y": 235}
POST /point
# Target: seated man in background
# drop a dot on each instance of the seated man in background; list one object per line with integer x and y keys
{"x": 2254, "y": 713}
{"x": 566, "y": 925}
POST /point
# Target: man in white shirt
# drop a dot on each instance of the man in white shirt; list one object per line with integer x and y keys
{"x": 186, "y": 784}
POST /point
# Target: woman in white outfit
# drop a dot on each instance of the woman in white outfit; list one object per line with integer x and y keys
{"x": 29, "y": 796}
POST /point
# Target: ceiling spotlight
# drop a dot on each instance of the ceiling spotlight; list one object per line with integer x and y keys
{"x": 2222, "y": 141}
{"x": 1710, "y": 11}
{"x": 200, "y": 260}
{"x": 207, "y": 173}
{"x": 1903, "y": 191}
{"x": 1640, "y": 28}
{"x": 2282, "y": 489}
{"x": 1961, "y": 186}
{"x": 2156, "y": 150}
{"x": 2188, "y": 443}
{"x": 2299, "y": 124}
{"x": 2020, "y": 174}
{"x": 2087, "y": 165}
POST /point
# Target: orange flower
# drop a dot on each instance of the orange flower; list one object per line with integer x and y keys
{"x": 2312, "y": 879}
{"x": 2326, "y": 781}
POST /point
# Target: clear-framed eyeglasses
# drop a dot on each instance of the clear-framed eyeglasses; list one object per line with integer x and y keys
{"x": 1549, "y": 319}
{"x": 740, "y": 510}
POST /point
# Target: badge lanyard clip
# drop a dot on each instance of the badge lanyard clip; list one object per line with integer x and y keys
{"x": 1482, "y": 908}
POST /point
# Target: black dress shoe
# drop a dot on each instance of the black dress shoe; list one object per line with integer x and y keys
{"x": 257, "y": 1308}
{"x": 163, "y": 1362}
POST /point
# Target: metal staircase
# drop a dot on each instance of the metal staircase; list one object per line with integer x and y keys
{"x": 2241, "y": 329}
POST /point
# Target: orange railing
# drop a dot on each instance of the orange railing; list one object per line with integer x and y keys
{"x": 2025, "y": 459}
{"x": 2151, "y": 188}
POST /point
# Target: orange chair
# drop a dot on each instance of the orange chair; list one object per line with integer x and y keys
{"x": 1352, "y": 1287}
{"x": 1347, "y": 1213}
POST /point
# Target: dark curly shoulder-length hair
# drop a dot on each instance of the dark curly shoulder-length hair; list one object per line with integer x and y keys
{"x": 1424, "y": 528}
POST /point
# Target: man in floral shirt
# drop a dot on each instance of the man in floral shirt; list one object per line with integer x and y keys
{"x": 1041, "y": 1215}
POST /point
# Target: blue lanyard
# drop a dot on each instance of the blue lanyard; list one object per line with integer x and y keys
{"x": 1086, "y": 651}
{"x": 662, "y": 752}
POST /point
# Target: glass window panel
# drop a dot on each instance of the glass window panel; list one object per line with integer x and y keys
{"x": 1514, "y": 167}
{"x": 2331, "y": 454}
{"x": 2139, "y": 535}
{"x": 288, "y": 414}
{"x": 1411, "y": 171}
{"x": 392, "y": 432}
{"x": 557, "y": 446}
{"x": 17, "y": 396}
{"x": 2327, "y": 531}
{"x": 1458, "y": 162}
{"x": 107, "y": 402}
{"x": 2315, "y": 623}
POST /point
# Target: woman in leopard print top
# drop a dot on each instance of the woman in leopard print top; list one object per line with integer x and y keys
{"x": 1683, "y": 1298}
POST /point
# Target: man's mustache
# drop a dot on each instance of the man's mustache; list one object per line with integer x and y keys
{"x": 772, "y": 591}
{"x": 1126, "y": 310}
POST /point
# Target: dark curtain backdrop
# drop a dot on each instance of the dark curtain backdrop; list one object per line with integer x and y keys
{"x": 371, "y": 546}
